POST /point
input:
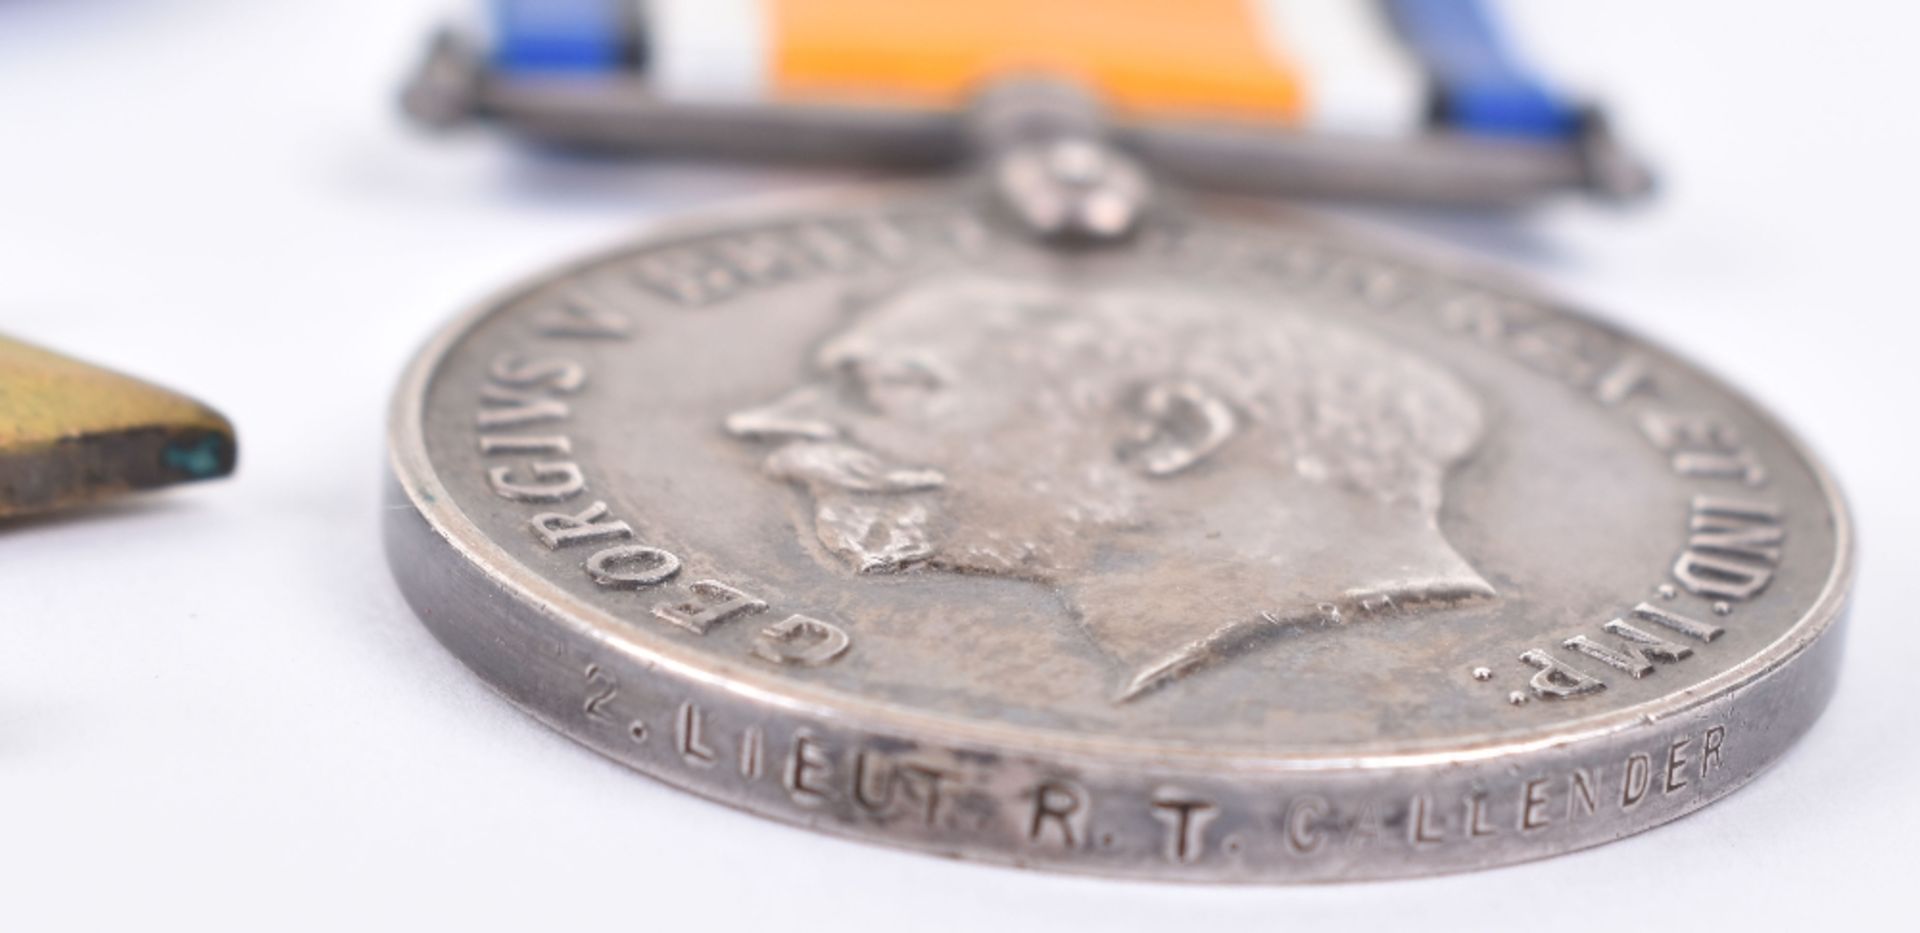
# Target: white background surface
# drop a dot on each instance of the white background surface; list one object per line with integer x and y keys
{"x": 216, "y": 713}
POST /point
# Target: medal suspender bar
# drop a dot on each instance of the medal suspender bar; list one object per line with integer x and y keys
{"x": 1417, "y": 101}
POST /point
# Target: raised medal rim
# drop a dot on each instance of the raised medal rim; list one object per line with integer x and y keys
{"x": 417, "y": 479}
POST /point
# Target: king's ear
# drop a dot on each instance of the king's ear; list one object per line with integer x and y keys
{"x": 1174, "y": 425}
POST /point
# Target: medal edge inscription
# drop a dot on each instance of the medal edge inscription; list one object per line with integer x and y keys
{"x": 1029, "y": 808}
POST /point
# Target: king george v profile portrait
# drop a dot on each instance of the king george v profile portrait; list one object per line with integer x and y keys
{"x": 1191, "y": 474}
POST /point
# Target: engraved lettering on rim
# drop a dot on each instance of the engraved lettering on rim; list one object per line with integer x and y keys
{"x": 1186, "y": 818}
{"x": 1059, "y": 814}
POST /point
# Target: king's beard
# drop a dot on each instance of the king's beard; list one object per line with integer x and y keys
{"x": 877, "y": 516}
{"x": 874, "y": 515}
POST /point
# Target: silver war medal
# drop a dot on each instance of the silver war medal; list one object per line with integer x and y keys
{"x": 1056, "y": 517}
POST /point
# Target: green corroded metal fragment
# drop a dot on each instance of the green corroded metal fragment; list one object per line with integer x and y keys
{"x": 72, "y": 433}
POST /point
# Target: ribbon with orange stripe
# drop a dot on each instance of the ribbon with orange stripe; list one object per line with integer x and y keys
{"x": 1342, "y": 66}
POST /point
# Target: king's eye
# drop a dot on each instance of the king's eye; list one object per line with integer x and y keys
{"x": 884, "y": 385}
{"x": 909, "y": 373}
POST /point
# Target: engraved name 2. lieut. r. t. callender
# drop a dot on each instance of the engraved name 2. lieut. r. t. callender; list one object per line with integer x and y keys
{"x": 1233, "y": 550}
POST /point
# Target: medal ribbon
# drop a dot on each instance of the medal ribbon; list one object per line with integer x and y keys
{"x": 1358, "y": 67}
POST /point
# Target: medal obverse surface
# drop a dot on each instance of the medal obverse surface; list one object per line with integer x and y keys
{"x": 1242, "y": 550}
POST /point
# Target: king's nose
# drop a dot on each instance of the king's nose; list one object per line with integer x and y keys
{"x": 798, "y": 415}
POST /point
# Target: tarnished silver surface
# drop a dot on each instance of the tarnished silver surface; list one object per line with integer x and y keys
{"x": 1244, "y": 549}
